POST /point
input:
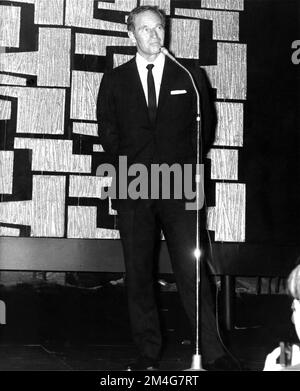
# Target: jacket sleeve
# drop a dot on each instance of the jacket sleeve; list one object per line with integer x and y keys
{"x": 106, "y": 117}
{"x": 207, "y": 109}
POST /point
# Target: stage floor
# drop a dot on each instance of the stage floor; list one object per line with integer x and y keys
{"x": 67, "y": 328}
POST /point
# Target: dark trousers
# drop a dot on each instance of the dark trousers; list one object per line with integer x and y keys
{"x": 138, "y": 230}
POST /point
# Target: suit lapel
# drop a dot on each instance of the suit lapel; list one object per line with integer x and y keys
{"x": 137, "y": 86}
{"x": 168, "y": 77}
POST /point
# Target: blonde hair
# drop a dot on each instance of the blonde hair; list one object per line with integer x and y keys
{"x": 293, "y": 283}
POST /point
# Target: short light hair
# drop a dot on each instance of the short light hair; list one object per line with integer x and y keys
{"x": 293, "y": 283}
{"x": 143, "y": 8}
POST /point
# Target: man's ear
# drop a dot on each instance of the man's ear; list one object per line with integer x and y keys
{"x": 132, "y": 37}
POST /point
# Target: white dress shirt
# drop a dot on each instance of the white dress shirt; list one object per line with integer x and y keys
{"x": 157, "y": 72}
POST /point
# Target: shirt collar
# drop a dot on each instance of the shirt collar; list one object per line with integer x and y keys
{"x": 158, "y": 63}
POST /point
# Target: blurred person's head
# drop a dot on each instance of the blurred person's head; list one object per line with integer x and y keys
{"x": 294, "y": 289}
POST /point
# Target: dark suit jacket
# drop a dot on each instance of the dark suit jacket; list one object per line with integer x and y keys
{"x": 124, "y": 125}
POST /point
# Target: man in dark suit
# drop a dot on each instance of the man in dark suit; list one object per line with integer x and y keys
{"x": 146, "y": 112}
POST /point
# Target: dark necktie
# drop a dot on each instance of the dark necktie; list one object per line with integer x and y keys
{"x": 151, "y": 94}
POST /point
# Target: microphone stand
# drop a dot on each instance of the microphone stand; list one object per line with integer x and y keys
{"x": 196, "y": 360}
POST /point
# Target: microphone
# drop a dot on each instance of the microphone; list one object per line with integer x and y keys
{"x": 167, "y": 53}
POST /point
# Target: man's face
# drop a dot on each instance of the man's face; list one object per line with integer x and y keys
{"x": 148, "y": 34}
